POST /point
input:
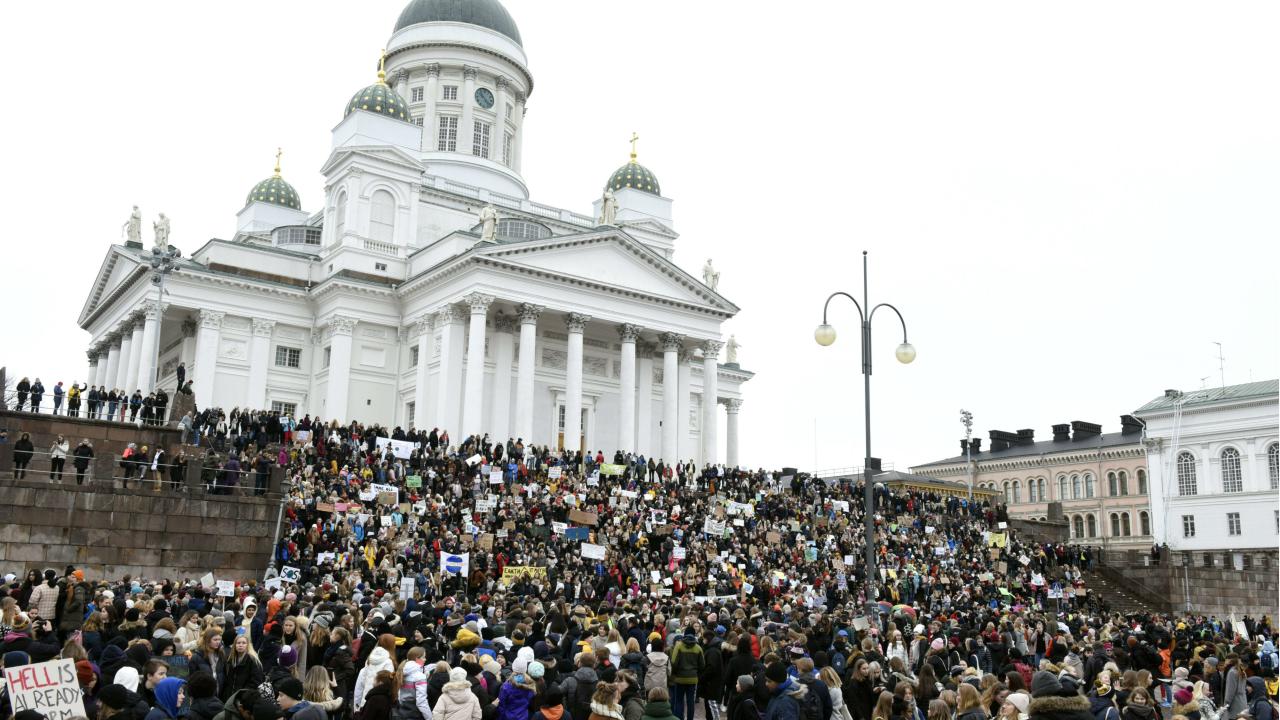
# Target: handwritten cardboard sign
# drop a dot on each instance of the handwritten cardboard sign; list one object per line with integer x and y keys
{"x": 582, "y": 517}
{"x": 49, "y": 688}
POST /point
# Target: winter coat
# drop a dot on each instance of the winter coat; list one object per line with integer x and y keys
{"x": 247, "y": 673}
{"x": 784, "y": 703}
{"x": 206, "y": 708}
{"x": 743, "y": 707}
{"x": 687, "y": 663}
{"x": 379, "y": 660}
{"x": 340, "y": 664}
{"x": 45, "y": 600}
{"x": 711, "y": 679}
{"x": 514, "y": 699}
{"x": 457, "y": 702}
{"x": 1075, "y": 707}
{"x": 377, "y": 703}
{"x": 414, "y": 691}
{"x": 1259, "y": 702}
{"x": 657, "y": 671}
{"x": 307, "y": 711}
{"x": 1191, "y": 710}
{"x": 604, "y": 712}
{"x": 578, "y": 689}
{"x": 73, "y": 607}
{"x": 1234, "y": 698}
{"x": 1139, "y": 712}
{"x": 658, "y": 710}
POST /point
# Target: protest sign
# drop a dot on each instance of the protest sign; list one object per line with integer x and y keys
{"x": 577, "y": 533}
{"x": 49, "y": 688}
{"x": 630, "y": 494}
{"x": 324, "y": 507}
{"x": 583, "y": 517}
{"x": 207, "y": 581}
{"x": 772, "y": 537}
{"x": 288, "y": 573}
{"x": 594, "y": 552}
{"x": 594, "y": 480}
{"x": 678, "y": 553}
{"x": 495, "y": 477}
{"x": 553, "y": 473}
{"x": 474, "y": 459}
{"x": 486, "y": 542}
{"x": 226, "y": 588}
{"x": 401, "y": 449}
{"x": 607, "y": 469}
{"x": 413, "y": 481}
{"x": 512, "y": 573}
{"x": 559, "y": 527}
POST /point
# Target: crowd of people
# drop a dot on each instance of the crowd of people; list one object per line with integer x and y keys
{"x": 420, "y": 577}
{"x": 95, "y": 402}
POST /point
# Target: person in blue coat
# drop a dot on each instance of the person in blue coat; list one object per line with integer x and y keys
{"x": 169, "y": 700}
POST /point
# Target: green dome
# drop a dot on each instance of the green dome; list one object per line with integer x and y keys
{"x": 379, "y": 98}
{"x": 276, "y": 191}
{"x": 484, "y": 13}
{"x": 634, "y": 175}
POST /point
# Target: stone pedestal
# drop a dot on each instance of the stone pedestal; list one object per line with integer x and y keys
{"x": 180, "y": 403}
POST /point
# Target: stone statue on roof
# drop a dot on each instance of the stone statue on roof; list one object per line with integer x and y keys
{"x": 161, "y": 228}
{"x": 488, "y": 223}
{"x": 132, "y": 227}
{"x": 608, "y": 208}
{"x": 731, "y": 351}
{"x": 710, "y": 276}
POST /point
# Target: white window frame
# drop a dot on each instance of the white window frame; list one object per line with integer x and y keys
{"x": 481, "y": 131}
{"x": 292, "y": 357}
{"x": 328, "y": 356}
{"x": 1229, "y": 466}
{"x": 382, "y": 216}
{"x": 415, "y": 94}
{"x": 447, "y": 134}
{"x": 1188, "y": 526}
{"x": 1273, "y": 465}
{"x": 1233, "y": 524}
{"x": 508, "y": 143}
{"x": 1185, "y": 464}
{"x": 449, "y": 92}
{"x": 413, "y": 356}
{"x": 283, "y": 408}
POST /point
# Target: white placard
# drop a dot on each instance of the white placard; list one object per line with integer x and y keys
{"x": 1003, "y": 525}
{"x": 207, "y": 581}
{"x": 848, "y": 559}
{"x": 553, "y": 473}
{"x": 678, "y": 553}
{"x": 559, "y": 528}
{"x": 748, "y": 588}
{"x": 595, "y": 552}
{"x": 288, "y": 573}
{"x": 401, "y": 449}
{"x": 406, "y": 588}
{"x": 455, "y": 563}
{"x": 630, "y": 494}
{"x": 226, "y": 588}
{"x": 382, "y": 487}
{"x": 594, "y": 480}
{"x": 860, "y": 623}
{"x": 474, "y": 459}
{"x": 273, "y": 584}
{"x": 655, "y": 575}
{"x": 385, "y": 520}
{"x": 928, "y": 529}
{"x": 495, "y": 477}
{"x": 49, "y": 688}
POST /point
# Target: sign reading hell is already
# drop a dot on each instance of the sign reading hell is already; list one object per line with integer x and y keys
{"x": 49, "y": 688}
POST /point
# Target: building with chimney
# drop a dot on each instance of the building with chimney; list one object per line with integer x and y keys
{"x": 1099, "y": 479}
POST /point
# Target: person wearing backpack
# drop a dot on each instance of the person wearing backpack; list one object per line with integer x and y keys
{"x": 687, "y": 664}
{"x": 786, "y": 696}
{"x": 1102, "y": 702}
{"x": 1260, "y": 705}
{"x": 742, "y": 703}
{"x": 816, "y": 689}
{"x": 581, "y": 685}
{"x": 657, "y": 670}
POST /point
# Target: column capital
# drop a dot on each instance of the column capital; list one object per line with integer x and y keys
{"x": 629, "y": 332}
{"x": 152, "y": 310}
{"x": 92, "y": 354}
{"x": 341, "y": 325}
{"x": 479, "y": 302}
{"x": 469, "y": 72}
{"x": 263, "y": 328}
{"x": 711, "y": 348}
{"x": 671, "y": 342}
{"x": 423, "y": 324}
{"x": 433, "y": 70}
{"x": 520, "y": 97}
{"x": 645, "y": 349}
{"x": 529, "y": 313}
{"x": 189, "y": 327}
{"x": 139, "y": 315}
{"x": 501, "y": 83}
{"x": 126, "y": 325}
{"x": 576, "y": 322}
{"x": 503, "y": 322}
{"x": 111, "y": 338}
{"x": 731, "y": 405}
{"x": 448, "y": 314}
{"x": 211, "y": 319}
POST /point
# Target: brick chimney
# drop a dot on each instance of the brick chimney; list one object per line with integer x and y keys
{"x": 1002, "y": 440}
{"x": 1081, "y": 430}
{"x": 1062, "y": 433}
{"x": 1026, "y": 436}
{"x": 1130, "y": 425}
{"x": 976, "y": 444}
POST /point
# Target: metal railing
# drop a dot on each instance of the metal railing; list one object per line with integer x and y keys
{"x": 850, "y": 472}
{"x": 146, "y": 475}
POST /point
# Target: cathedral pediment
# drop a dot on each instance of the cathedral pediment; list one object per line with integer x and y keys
{"x": 117, "y": 270}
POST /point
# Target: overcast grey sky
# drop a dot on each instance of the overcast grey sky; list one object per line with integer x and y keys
{"x": 1069, "y": 203}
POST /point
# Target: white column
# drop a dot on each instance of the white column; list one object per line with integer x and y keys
{"x": 450, "y": 371}
{"x": 337, "y": 394}
{"x": 473, "y": 403}
{"x": 731, "y": 408}
{"x": 684, "y": 449}
{"x": 501, "y": 96}
{"x": 503, "y": 356}
{"x": 92, "y": 377}
{"x": 421, "y": 415}
{"x": 402, "y": 84}
{"x": 429, "y": 96}
{"x": 126, "y": 351}
{"x": 518, "y": 118}
{"x": 466, "y": 125}
{"x": 259, "y": 360}
{"x": 671, "y": 344}
{"x": 107, "y": 378}
{"x": 576, "y": 323}
{"x": 644, "y": 399}
{"x": 710, "y": 404}
{"x": 627, "y": 389}
{"x": 135, "y": 356}
{"x": 150, "y": 345}
{"x": 525, "y": 370}
{"x": 206, "y": 365}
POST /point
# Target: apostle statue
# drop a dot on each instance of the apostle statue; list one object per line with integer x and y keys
{"x": 731, "y": 351}
{"x": 710, "y": 276}
{"x": 161, "y": 228}
{"x": 132, "y": 227}
{"x": 488, "y": 223}
{"x": 608, "y": 208}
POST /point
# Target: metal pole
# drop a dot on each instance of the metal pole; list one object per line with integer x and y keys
{"x": 867, "y": 490}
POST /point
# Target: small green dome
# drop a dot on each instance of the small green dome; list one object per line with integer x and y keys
{"x": 634, "y": 175}
{"x": 379, "y": 98}
{"x": 276, "y": 191}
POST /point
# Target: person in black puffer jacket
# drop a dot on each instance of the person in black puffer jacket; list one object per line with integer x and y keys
{"x": 1049, "y": 703}
{"x": 202, "y": 689}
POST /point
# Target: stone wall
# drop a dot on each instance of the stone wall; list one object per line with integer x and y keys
{"x": 109, "y": 439}
{"x": 1041, "y": 531}
{"x": 110, "y": 532}
{"x": 1204, "y": 582}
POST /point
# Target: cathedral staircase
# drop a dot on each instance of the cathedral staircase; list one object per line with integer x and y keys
{"x": 1120, "y": 595}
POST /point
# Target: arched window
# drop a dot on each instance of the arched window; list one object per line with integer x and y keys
{"x": 1115, "y": 525}
{"x": 1062, "y": 487}
{"x": 1093, "y": 526}
{"x": 1079, "y": 526}
{"x": 1186, "y": 473}
{"x": 1041, "y": 486}
{"x": 1273, "y": 465}
{"x": 1142, "y": 481}
{"x": 1088, "y": 484}
{"x": 1231, "y": 480}
{"x": 1124, "y": 482}
{"x": 1112, "y": 488}
{"x": 1075, "y": 487}
{"x": 1144, "y": 522}
{"x": 1008, "y": 492}
{"x": 1124, "y": 524}
{"x": 1017, "y": 491}
{"x": 382, "y": 216}
{"x": 339, "y": 216}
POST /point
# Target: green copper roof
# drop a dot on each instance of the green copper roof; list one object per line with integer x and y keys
{"x": 1245, "y": 391}
{"x": 379, "y": 98}
{"x": 484, "y": 13}
{"x": 634, "y": 175}
{"x": 276, "y": 191}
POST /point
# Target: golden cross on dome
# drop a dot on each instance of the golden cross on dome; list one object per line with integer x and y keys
{"x": 382, "y": 67}
{"x": 279, "y": 152}
{"x": 634, "y": 138}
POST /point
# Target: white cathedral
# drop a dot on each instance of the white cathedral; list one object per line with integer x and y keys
{"x": 428, "y": 290}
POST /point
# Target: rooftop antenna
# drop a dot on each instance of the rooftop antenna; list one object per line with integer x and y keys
{"x": 1222, "y": 375}
{"x": 1202, "y": 382}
